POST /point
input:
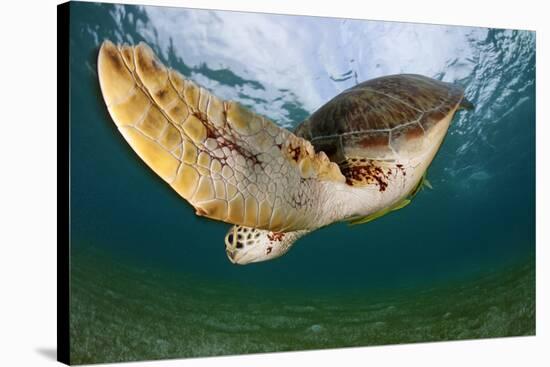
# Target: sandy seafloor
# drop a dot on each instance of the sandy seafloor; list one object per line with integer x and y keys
{"x": 124, "y": 313}
{"x": 150, "y": 280}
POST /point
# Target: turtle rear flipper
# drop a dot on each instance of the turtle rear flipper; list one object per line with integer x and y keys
{"x": 380, "y": 213}
{"x": 465, "y": 104}
{"x": 228, "y": 162}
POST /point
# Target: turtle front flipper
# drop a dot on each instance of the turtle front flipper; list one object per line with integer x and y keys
{"x": 229, "y": 163}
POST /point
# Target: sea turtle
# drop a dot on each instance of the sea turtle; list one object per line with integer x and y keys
{"x": 361, "y": 155}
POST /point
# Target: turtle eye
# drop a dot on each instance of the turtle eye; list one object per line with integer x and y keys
{"x": 229, "y": 240}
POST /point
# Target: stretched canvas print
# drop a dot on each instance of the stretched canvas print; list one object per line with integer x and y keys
{"x": 248, "y": 183}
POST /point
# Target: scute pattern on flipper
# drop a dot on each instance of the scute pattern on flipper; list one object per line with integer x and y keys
{"x": 229, "y": 163}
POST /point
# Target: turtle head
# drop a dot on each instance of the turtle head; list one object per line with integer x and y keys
{"x": 245, "y": 245}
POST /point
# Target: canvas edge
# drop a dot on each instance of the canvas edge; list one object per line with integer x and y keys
{"x": 63, "y": 185}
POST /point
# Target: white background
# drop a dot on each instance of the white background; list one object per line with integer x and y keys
{"x": 28, "y": 183}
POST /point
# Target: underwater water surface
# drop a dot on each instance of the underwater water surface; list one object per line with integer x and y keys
{"x": 149, "y": 279}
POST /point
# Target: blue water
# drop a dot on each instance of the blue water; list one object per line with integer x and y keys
{"x": 131, "y": 234}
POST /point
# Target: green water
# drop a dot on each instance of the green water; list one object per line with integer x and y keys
{"x": 151, "y": 280}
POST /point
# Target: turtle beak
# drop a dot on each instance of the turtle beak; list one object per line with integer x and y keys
{"x": 239, "y": 256}
{"x": 244, "y": 258}
{"x": 231, "y": 255}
